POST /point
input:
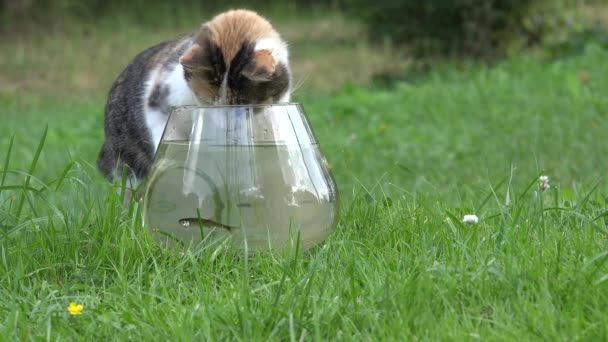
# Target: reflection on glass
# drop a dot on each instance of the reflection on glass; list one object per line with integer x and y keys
{"x": 251, "y": 174}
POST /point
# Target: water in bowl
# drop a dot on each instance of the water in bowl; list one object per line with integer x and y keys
{"x": 259, "y": 194}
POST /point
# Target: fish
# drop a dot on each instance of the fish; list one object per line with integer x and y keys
{"x": 205, "y": 223}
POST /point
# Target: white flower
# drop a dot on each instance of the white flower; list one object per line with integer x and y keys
{"x": 544, "y": 183}
{"x": 470, "y": 219}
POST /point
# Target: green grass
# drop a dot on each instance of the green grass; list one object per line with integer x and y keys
{"x": 410, "y": 161}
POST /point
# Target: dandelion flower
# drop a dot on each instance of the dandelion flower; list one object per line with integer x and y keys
{"x": 470, "y": 219}
{"x": 544, "y": 183}
{"x": 75, "y": 309}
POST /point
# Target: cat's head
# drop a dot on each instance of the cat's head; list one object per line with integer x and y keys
{"x": 237, "y": 58}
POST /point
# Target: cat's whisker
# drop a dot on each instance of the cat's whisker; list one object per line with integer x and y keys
{"x": 299, "y": 83}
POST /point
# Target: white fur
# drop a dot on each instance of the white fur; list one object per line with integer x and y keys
{"x": 156, "y": 121}
{"x": 277, "y": 48}
{"x": 179, "y": 95}
{"x": 285, "y": 98}
{"x": 179, "y": 92}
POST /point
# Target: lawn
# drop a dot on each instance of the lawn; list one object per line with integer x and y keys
{"x": 410, "y": 161}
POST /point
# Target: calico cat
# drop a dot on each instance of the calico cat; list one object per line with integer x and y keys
{"x": 235, "y": 58}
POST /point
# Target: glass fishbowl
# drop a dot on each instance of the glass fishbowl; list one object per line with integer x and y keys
{"x": 252, "y": 175}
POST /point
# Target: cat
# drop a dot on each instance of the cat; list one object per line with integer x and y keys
{"x": 235, "y": 58}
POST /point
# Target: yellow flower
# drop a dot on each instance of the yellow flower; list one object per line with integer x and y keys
{"x": 75, "y": 309}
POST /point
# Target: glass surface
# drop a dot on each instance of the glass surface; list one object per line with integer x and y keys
{"x": 251, "y": 174}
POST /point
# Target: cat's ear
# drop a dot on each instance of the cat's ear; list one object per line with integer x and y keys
{"x": 262, "y": 67}
{"x": 191, "y": 58}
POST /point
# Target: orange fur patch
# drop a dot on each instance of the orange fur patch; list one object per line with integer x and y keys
{"x": 188, "y": 57}
{"x": 263, "y": 59}
{"x": 231, "y": 29}
{"x": 203, "y": 89}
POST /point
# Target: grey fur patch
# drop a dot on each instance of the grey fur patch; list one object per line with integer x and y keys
{"x": 158, "y": 98}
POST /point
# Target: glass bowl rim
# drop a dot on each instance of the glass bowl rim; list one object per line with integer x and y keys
{"x": 269, "y": 105}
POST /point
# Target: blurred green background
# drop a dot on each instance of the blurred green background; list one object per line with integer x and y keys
{"x": 82, "y": 45}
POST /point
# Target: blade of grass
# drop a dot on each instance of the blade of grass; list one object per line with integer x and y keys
{"x": 123, "y": 185}
{"x": 63, "y": 175}
{"x": 171, "y": 236}
{"x": 605, "y": 213}
{"x": 455, "y": 220}
{"x": 518, "y": 209}
{"x": 6, "y": 161}
{"x": 598, "y": 260}
{"x": 586, "y": 198}
{"x": 200, "y": 223}
{"x": 529, "y": 186}
{"x": 491, "y": 194}
{"x": 30, "y": 172}
{"x": 19, "y": 187}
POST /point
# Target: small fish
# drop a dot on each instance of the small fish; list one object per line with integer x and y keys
{"x": 187, "y": 222}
